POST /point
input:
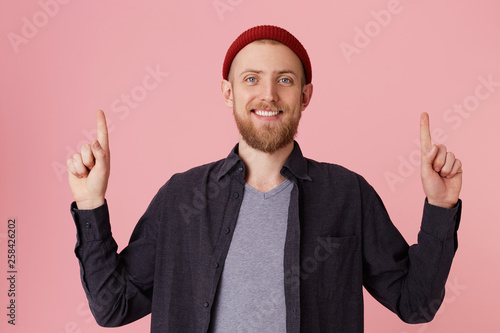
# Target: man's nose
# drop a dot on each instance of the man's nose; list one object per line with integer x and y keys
{"x": 269, "y": 92}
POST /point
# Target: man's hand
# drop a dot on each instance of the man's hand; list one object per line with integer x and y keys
{"x": 89, "y": 171}
{"x": 441, "y": 172}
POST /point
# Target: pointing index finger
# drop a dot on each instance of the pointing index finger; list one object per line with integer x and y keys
{"x": 425, "y": 133}
{"x": 102, "y": 130}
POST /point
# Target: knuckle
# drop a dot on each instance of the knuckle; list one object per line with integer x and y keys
{"x": 87, "y": 157}
{"x": 445, "y": 171}
{"x": 439, "y": 161}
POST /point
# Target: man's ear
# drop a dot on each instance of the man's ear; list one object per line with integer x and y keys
{"x": 227, "y": 92}
{"x": 307, "y": 92}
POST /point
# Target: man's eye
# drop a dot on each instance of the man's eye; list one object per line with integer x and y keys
{"x": 285, "y": 80}
{"x": 251, "y": 79}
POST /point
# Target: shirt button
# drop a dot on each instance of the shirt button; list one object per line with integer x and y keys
{"x": 216, "y": 264}
{"x": 240, "y": 169}
{"x": 236, "y": 195}
{"x": 206, "y": 304}
{"x": 88, "y": 225}
{"x": 227, "y": 230}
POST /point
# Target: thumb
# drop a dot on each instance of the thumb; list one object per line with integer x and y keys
{"x": 428, "y": 158}
{"x": 101, "y": 155}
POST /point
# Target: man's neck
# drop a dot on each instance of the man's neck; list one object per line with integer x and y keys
{"x": 263, "y": 169}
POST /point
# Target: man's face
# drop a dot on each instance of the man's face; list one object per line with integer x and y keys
{"x": 267, "y": 94}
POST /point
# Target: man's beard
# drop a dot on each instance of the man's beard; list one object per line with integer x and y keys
{"x": 269, "y": 138}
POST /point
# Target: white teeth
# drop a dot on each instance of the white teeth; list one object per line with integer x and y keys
{"x": 266, "y": 113}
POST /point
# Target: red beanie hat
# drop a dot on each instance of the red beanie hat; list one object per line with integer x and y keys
{"x": 267, "y": 32}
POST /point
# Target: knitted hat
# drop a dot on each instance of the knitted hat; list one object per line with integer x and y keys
{"x": 267, "y": 32}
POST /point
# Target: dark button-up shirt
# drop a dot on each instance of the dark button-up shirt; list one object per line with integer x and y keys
{"x": 339, "y": 238}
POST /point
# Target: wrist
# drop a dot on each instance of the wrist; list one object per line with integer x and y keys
{"x": 89, "y": 204}
{"x": 441, "y": 204}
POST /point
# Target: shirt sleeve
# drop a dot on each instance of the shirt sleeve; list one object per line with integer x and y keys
{"x": 408, "y": 280}
{"x": 118, "y": 286}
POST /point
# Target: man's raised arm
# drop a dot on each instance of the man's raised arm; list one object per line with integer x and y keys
{"x": 118, "y": 286}
{"x": 410, "y": 280}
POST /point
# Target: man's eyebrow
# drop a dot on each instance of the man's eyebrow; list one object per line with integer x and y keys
{"x": 250, "y": 71}
{"x": 287, "y": 71}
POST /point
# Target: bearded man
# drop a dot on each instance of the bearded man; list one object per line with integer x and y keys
{"x": 280, "y": 243}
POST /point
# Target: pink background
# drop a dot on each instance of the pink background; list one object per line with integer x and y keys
{"x": 364, "y": 115}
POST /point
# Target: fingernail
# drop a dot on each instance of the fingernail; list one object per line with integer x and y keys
{"x": 96, "y": 144}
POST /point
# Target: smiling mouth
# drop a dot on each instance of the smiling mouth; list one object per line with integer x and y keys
{"x": 266, "y": 113}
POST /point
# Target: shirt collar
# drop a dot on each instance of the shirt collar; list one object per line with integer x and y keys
{"x": 296, "y": 163}
{"x": 230, "y": 162}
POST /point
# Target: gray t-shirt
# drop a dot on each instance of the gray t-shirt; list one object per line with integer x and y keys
{"x": 251, "y": 294}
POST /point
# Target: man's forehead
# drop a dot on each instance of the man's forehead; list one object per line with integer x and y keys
{"x": 254, "y": 57}
{"x": 261, "y": 46}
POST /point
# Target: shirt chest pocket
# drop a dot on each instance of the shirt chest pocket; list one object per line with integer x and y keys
{"x": 340, "y": 267}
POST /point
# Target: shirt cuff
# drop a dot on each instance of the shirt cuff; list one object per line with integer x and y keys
{"x": 441, "y": 222}
{"x": 91, "y": 224}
